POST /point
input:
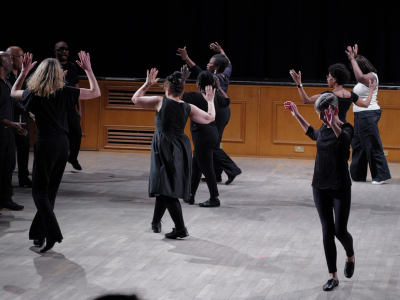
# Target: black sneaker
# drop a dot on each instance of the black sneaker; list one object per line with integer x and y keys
{"x": 210, "y": 203}
{"x": 76, "y": 165}
{"x": 349, "y": 268}
{"x": 10, "y": 205}
{"x": 27, "y": 182}
{"x": 177, "y": 234}
{"x": 330, "y": 285}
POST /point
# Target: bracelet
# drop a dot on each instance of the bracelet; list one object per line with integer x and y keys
{"x": 187, "y": 56}
{"x": 299, "y": 85}
{"x": 147, "y": 85}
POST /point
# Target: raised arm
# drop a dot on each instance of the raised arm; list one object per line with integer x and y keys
{"x": 94, "y": 90}
{"x": 27, "y": 65}
{"x": 201, "y": 116}
{"x": 217, "y": 48}
{"x": 360, "y": 76}
{"x": 304, "y": 97}
{"x": 183, "y": 54}
{"x": 293, "y": 109}
{"x": 365, "y": 103}
{"x": 148, "y": 102}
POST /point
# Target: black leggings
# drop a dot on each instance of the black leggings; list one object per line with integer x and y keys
{"x": 174, "y": 208}
{"x": 74, "y": 135}
{"x": 339, "y": 201}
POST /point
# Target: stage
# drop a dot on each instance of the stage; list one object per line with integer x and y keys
{"x": 264, "y": 242}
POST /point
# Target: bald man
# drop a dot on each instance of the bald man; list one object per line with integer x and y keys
{"x": 22, "y": 141}
{"x": 61, "y": 52}
{"x": 7, "y": 138}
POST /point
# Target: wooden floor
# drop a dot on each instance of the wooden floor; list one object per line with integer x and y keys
{"x": 264, "y": 242}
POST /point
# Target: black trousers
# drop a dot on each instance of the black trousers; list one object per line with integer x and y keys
{"x": 23, "y": 146}
{"x": 7, "y": 163}
{"x": 367, "y": 148}
{"x": 174, "y": 208}
{"x": 333, "y": 208}
{"x": 51, "y": 156}
{"x": 205, "y": 141}
{"x": 74, "y": 135}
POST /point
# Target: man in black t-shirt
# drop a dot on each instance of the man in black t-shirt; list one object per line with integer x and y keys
{"x": 73, "y": 118}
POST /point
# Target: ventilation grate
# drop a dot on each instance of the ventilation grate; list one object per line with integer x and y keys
{"x": 118, "y": 97}
{"x": 130, "y": 138}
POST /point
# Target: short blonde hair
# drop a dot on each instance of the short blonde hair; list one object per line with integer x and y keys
{"x": 47, "y": 79}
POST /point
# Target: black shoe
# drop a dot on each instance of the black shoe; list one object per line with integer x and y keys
{"x": 349, "y": 268}
{"x": 38, "y": 242}
{"x": 156, "y": 227}
{"x": 230, "y": 179}
{"x": 10, "y": 205}
{"x": 49, "y": 246}
{"x": 210, "y": 203}
{"x": 27, "y": 182}
{"x": 76, "y": 165}
{"x": 177, "y": 234}
{"x": 330, "y": 285}
{"x": 218, "y": 180}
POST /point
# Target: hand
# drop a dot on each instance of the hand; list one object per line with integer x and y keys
{"x": 329, "y": 115}
{"x": 185, "y": 72}
{"x": 65, "y": 72}
{"x": 16, "y": 127}
{"x": 85, "y": 61}
{"x": 32, "y": 116}
{"x": 372, "y": 86}
{"x": 210, "y": 93}
{"x": 27, "y": 64}
{"x": 217, "y": 82}
{"x": 296, "y": 77}
{"x": 289, "y": 105}
{"x": 151, "y": 77}
{"x": 355, "y": 49}
{"x": 350, "y": 53}
{"x": 216, "y": 47}
{"x": 182, "y": 53}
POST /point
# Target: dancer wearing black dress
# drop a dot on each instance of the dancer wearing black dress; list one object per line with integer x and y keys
{"x": 171, "y": 152}
{"x": 221, "y": 66}
{"x": 49, "y": 99}
{"x": 331, "y": 182}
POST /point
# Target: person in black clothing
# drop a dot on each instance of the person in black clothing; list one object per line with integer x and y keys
{"x": 205, "y": 137}
{"x": 171, "y": 151}
{"x": 338, "y": 76}
{"x": 221, "y": 66}
{"x": 49, "y": 99}
{"x": 22, "y": 142}
{"x": 8, "y": 128}
{"x": 331, "y": 181}
{"x": 73, "y": 117}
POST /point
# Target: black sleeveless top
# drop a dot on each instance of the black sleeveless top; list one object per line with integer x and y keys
{"x": 344, "y": 104}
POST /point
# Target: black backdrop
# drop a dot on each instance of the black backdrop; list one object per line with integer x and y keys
{"x": 263, "y": 39}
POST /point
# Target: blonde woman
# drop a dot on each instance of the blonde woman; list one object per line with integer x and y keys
{"x": 49, "y": 98}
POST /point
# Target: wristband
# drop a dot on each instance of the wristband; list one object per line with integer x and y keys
{"x": 299, "y": 85}
{"x": 187, "y": 56}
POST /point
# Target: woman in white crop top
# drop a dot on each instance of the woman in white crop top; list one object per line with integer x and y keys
{"x": 366, "y": 143}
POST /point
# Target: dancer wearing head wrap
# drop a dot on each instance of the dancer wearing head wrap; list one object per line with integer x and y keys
{"x": 171, "y": 153}
{"x": 331, "y": 182}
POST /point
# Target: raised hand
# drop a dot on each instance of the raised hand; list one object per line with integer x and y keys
{"x": 151, "y": 77}
{"x": 351, "y": 53}
{"x": 373, "y": 86}
{"x": 85, "y": 61}
{"x": 210, "y": 93}
{"x": 355, "y": 49}
{"x": 289, "y": 105}
{"x": 185, "y": 72}
{"x": 27, "y": 64}
{"x": 65, "y": 72}
{"x": 182, "y": 53}
{"x": 296, "y": 77}
{"x": 216, "y": 47}
{"x": 329, "y": 115}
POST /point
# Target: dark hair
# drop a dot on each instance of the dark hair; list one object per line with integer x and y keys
{"x": 364, "y": 64}
{"x": 117, "y": 297}
{"x": 175, "y": 84}
{"x": 326, "y": 100}
{"x": 221, "y": 62}
{"x": 340, "y": 73}
{"x": 205, "y": 78}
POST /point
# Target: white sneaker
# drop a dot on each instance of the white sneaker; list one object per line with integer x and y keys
{"x": 378, "y": 182}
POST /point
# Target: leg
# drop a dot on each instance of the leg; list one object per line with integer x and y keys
{"x": 196, "y": 175}
{"x": 224, "y": 162}
{"x": 23, "y": 145}
{"x": 359, "y": 161}
{"x": 223, "y": 115}
{"x": 175, "y": 210}
{"x": 74, "y": 136}
{"x": 159, "y": 209}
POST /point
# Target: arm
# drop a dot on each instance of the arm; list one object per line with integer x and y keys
{"x": 79, "y": 104}
{"x": 293, "y": 109}
{"x": 203, "y": 117}
{"x": 183, "y": 54}
{"x": 217, "y": 48}
{"x": 94, "y": 90}
{"x": 360, "y": 77}
{"x": 225, "y": 101}
{"x": 27, "y": 65}
{"x": 139, "y": 98}
{"x": 304, "y": 97}
{"x": 365, "y": 103}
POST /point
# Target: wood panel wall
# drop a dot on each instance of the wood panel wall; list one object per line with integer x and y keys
{"x": 259, "y": 124}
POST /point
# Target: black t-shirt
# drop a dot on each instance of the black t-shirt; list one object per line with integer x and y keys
{"x": 72, "y": 75}
{"x": 331, "y": 170}
{"x": 8, "y": 105}
{"x": 344, "y": 105}
{"x": 198, "y": 100}
{"x": 51, "y": 113}
{"x": 12, "y": 78}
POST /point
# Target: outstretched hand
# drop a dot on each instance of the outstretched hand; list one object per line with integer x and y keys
{"x": 85, "y": 61}
{"x": 289, "y": 105}
{"x": 210, "y": 93}
{"x": 296, "y": 77}
{"x": 27, "y": 64}
{"x": 182, "y": 53}
{"x": 329, "y": 115}
{"x": 373, "y": 86}
{"x": 185, "y": 72}
{"x": 151, "y": 77}
{"x": 351, "y": 54}
{"x": 216, "y": 47}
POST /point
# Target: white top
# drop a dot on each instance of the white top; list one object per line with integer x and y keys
{"x": 363, "y": 91}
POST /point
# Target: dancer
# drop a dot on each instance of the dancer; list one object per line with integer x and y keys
{"x": 205, "y": 137}
{"x": 7, "y": 135}
{"x": 221, "y": 66}
{"x": 331, "y": 182}
{"x": 61, "y": 52}
{"x": 49, "y": 99}
{"x": 21, "y": 141}
{"x": 366, "y": 144}
{"x": 338, "y": 76}
{"x": 171, "y": 151}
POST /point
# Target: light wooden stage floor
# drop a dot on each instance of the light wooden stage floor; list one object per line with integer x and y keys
{"x": 264, "y": 242}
